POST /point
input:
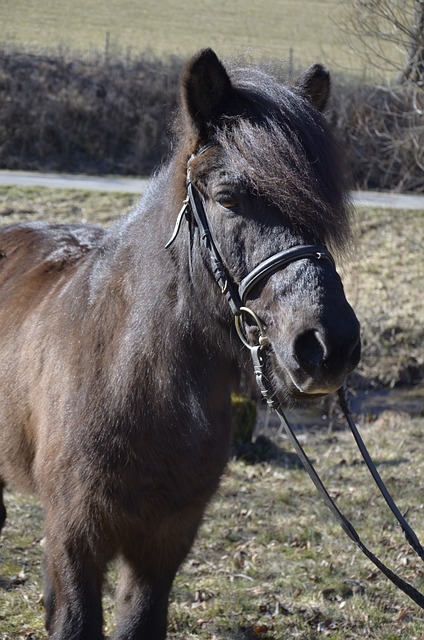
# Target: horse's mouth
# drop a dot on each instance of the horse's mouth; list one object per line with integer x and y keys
{"x": 299, "y": 386}
{"x": 300, "y": 396}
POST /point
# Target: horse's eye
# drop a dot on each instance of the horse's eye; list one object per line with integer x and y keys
{"x": 228, "y": 202}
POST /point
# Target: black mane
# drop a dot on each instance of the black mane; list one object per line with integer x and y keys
{"x": 282, "y": 146}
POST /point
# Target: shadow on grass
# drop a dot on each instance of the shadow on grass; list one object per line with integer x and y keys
{"x": 8, "y": 584}
{"x": 392, "y": 463}
{"x": 265, "y": 450}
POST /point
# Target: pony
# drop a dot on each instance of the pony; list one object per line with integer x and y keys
{"x": 118, "y": 351}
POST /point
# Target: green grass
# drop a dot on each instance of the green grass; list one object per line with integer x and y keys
{"x": 264, "y": 29}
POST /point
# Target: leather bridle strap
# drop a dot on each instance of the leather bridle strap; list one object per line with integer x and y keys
{"x": 346, "y": 525}
{"x": 279, "y": 261}
{"x": 409, "y": 533}
{"x": 220, "y": 273}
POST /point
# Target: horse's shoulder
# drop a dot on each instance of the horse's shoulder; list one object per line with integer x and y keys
{"x": 49, "y": 245}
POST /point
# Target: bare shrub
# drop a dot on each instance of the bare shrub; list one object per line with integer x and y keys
{"x": 382, "y": 129}
{"x": 387, "y": 35}
{"x": 93, "y": 116}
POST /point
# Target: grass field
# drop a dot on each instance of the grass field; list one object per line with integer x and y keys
{"x": 269, "y": 562}
{"x": 258, "y": 29}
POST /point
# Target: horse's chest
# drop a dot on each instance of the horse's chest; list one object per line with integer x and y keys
{"x": 160, "y": 472}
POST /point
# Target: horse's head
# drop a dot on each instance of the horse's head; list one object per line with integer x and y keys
{"x": 269, "y": 180}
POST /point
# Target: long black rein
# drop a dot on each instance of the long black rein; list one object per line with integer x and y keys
{"x": 193, "y": 211}
{"x": 348, "y": 528}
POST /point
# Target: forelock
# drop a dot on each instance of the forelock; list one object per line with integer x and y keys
{"x": 283, "y": 148}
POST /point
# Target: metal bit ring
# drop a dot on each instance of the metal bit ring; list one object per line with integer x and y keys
{"x": 263, "y": 339}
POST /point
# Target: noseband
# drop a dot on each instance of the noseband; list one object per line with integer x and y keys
{"x": 193, "y": 210}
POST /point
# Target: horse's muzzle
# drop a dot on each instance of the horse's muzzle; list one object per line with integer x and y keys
{"x": 317, "y": 362}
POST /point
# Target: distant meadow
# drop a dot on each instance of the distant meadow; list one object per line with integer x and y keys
{"x": 296, "y": 32}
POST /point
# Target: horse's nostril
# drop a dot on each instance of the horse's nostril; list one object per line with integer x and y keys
{"x": 309, "y": 349}
{"x": 313, "y": 349}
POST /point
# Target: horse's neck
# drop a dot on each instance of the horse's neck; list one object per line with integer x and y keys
{"x": 158, "y": 281}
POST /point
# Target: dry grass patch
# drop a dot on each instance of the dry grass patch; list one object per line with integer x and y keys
{"x": 62, "y": 205}
{"x": 269, "y": 562}
{"x": 385, "y": 284}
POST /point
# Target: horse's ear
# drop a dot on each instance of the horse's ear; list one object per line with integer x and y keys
{"x": 314, "y": 85}
{"x": 205, "y": 88}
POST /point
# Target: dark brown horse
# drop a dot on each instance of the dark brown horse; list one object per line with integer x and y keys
{"x": 117, "y": 355}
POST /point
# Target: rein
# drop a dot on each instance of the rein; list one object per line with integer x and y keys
{"x": 265, "y": 387}
{"x": 193, "y": 210}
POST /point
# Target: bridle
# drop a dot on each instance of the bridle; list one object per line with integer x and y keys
{"x": 236, "y": 295}
{"x": 193, "y": 210}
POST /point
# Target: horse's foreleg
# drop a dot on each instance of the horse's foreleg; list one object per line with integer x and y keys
{"x": 142, "y": 605}
{"x": 147, "y": 573}
{"x": 72, "y": 589}
{"x": 2, "y": 508}
{"x": 49, "y": 599}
